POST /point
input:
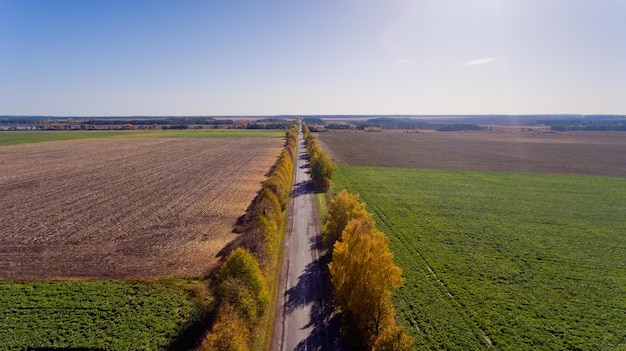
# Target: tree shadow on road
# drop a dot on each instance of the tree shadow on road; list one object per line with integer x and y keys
{"x": 303, "y": 188}
{"x": 326, "y": 326}
{"x": 314, "y": 288}
{"x": 325, "y": 335}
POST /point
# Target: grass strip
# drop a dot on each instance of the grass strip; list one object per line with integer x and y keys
{"x": 322, "y": 207}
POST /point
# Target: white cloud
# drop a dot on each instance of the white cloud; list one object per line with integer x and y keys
{"x": 480, "y": 61}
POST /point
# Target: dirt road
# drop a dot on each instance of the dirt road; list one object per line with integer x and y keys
{"x": 303, "y": 311}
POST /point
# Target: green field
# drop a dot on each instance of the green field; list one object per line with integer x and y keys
{"x": 519, "y": 261}
{"x": 109, "y": 315}
{"x": 23, "y": 137}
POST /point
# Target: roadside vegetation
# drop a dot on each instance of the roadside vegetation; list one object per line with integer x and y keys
{"x": 322, "y": 167}
{"x": 361, "y": 270}
{"x": 246, "y": 283}
{"x": 503, "y": 260}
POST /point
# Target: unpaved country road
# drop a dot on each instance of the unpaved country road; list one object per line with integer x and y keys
{"x": 302, "y": 310}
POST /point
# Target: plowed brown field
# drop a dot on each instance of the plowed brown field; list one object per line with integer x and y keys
{"x": 594, "y": 153}
{"x": 124, "y": 208}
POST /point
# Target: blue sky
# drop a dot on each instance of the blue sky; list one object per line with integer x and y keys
{"x": 97, "y": 58}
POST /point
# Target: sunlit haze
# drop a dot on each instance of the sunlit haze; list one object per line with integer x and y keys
{"x": 99, "y": 58}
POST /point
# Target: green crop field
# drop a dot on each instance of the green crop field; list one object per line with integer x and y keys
{"x": 107, "y": 315}
{"x": 515, "y": 261}
{"x": 23, "y": 137}
{"x": 76, "y": 314}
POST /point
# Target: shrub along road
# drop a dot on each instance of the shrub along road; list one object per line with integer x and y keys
{"x": 303, "y": 309}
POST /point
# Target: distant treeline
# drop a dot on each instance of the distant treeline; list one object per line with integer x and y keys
{"x": 70, "y": 123}
{"x": 377, "y": 124}
{"x": 313, "y": 121}
{"x": 160, "y": 121}
{"x": 269, "y": 123}
{"x": 320, "y": 123}
{"x": 564, "y": 125}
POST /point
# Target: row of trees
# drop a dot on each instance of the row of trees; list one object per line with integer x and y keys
{"x": 322, "y": 167}
{"x": 241, "y": 283}
{"x": 362, "y": 273}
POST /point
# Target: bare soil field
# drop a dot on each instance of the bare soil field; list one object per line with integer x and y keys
{"x": 124, "y": 208}
{"x": 594, "y": 153}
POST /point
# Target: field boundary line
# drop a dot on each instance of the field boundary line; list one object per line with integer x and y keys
{"x": 336, "y": 159}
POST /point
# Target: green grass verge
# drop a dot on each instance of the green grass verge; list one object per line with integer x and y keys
{"x": 111, "y": 315}
{"x": 531, "y": 261}
{"x": 322, "y": 207}
{"x": 24, "y": 137}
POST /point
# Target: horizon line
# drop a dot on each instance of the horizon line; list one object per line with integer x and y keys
{"x": 316, "y": 115}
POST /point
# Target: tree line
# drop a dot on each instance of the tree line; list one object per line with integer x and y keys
{"x": 387, "y": 123}
{"x": 363, "y": 275}
{"x": 564, "y": 125}
{"x": 322, "y": 167}
{"x": 140, "y": 122}
{"x": 362, "y": 271}
{"x": 241, "y": 284}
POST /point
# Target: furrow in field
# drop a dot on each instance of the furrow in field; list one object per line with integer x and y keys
{"x": 531, "y": 260}
{"x": 125, "y": 207}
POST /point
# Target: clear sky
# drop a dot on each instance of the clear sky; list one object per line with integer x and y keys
{"x": 133, "y": 57}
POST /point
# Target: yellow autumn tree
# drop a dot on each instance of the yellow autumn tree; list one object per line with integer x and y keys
{"x": 276, "y": 185}
{"x": 241, "y": 283}
{"x": 342, "y": 209}
{"x": 362, "y": 273}
{"x": 268, "y": 205}
{"x": 230, "y": 332}
{"x": 393, "y": 338}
